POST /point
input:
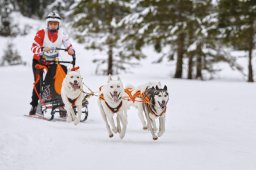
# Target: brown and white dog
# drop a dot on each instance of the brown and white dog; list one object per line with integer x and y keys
{"x": 112, "y": 106}
{"x": 72, "y": 95}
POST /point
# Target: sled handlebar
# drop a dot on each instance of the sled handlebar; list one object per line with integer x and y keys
{"x": 73, "y": 62}
{"x": 56, "y": 48}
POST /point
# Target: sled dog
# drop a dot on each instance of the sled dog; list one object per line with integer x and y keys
{"x": 112, "y": 107}
{"x": 151, "y": 102}
{"x": 72, "y": 95}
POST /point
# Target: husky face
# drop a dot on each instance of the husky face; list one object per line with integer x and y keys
{"x": 74, "y": 80}
{"x": 158, "y": 97}
{"x": 114, "y": 89}
{"x": 161, "y": 97}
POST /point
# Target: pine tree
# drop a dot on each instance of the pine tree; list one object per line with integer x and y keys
{"x": 32, "y": 8}
{"x": 202, "y": 39}
{"x": 163, "y": 23}
{"x": 5, "y": 21}
{"x": 237, "y": 22}
{"x": 98, "y": 27}
{"x": 62, "y": 7}
{"x": 11, "y": 56}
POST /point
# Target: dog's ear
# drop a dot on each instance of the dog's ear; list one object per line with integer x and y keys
{"x": 109, "y": 78}
{"x": 159, "y": 84}
{"x": 165, "y": 88}
{"x": 153, "y": 88}
{"x": 118, "y": 79}
{"x": 157, "y": 87}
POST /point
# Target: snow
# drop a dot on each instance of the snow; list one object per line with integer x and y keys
{"x": 209, "y": 124}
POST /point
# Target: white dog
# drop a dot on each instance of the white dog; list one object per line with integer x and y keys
{"x": 151, "y": 104}
{"x": 112, "y": 105}
{"x": 72, "y": 95}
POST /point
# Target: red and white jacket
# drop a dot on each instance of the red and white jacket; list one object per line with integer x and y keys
{"x": 45, "y": 38}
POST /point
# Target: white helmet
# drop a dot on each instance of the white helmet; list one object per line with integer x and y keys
{"x": 53, "y": 16}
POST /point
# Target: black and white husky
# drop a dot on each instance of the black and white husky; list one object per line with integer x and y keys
{"x": 112, "y": 107}
{"x": 155, "y": 108}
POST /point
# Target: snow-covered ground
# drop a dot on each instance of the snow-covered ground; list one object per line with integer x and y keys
{"x": 210, "y": 125}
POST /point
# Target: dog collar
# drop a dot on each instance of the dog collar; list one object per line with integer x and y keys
{"x": 114, "y": 110}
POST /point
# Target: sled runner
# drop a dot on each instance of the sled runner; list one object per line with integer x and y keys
{"x": 36, "y": 116}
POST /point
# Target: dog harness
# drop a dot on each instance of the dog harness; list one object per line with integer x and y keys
{"x": 138, "y": 94}
{"x": 114, "y": 110}
{"x": 151, "y": 110}
{"x": 132, "y": 97}
{"x": 73, "y": 101}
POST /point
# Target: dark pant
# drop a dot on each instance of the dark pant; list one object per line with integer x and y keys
{"x": 34, "y": 97}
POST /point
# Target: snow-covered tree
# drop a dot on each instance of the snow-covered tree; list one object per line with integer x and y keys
{"x": 238, "y": 26}
{"x": 11, "y": 56}
{"x": 163, "y": 23}
{"x": 5, "y": 21}
{"x": 97, "y": 24}
{"x": 32, "y": 8}
{"x": 201, "y": 38}
{"x": 62, "y": 7}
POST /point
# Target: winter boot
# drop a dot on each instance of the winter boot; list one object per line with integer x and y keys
{"x": 32, "y": 110}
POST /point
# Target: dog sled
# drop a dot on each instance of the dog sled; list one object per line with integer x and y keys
{"x": 50, "y": 78}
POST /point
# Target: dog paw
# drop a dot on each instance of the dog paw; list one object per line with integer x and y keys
{"x": 76, "y": 121}
{"x": 160, "y": 133}
{"x": 121, "y": 135}
{"x": 73, "y": 117}
{"x": 114, "y": 130}
{"x": 69, "y": 119}
{"x": 119, "y": 130}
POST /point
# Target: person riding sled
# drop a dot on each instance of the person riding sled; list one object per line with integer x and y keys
{"x": 47, "y": 41}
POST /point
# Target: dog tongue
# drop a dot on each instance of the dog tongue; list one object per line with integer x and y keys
{"x": 75, "y": 86}
{"x": 115, "y": 97}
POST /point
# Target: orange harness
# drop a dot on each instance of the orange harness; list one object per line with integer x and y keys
{"x": 134, "y": 96}
{"x": 131, "y": 97}
{"x": 137, "y": 94}
{"x": 145, "y": 99}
